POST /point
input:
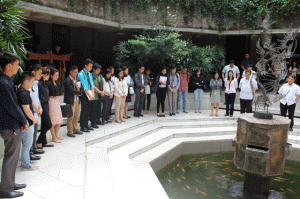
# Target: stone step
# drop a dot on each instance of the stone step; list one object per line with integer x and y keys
{"x": 135, "y": 134}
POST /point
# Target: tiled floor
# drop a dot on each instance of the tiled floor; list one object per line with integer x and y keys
{"x": 83, "y": 168}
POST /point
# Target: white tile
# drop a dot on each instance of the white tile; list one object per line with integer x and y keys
{"x": 69, "y": 192}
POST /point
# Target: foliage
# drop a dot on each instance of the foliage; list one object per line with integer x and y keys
{"x": 12, "y": 28}
{"x": 225, "y": 13}
{"x": 158, "y": 48}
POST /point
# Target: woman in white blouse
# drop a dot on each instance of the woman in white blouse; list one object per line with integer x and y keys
{"x": 121, "y": 92}
{"x": 108, "y": 95}
{"x": 231, "y": 85}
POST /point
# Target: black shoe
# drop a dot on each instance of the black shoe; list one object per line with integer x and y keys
{"x": 48, "y": 145}
{"x": 162, "y": 115}
{"x": 231, "y": 115}
{"x": 19, "y": 186}
{"x": 141, "y": 115}
{"x": 11, "y": 194}
{"x": 171, "y": 114}
{"x": 90, "y": 128}
{"x": 226, "y": 115}
{"x": 78, "y": 133}
{"x": 84, "y": 129}
{"x": 35, "y": 157}
{"x": 95, "y": 126}
{"x": 38, "y": 151}
{"x": 71, "y": 135}
{"x": 136, "y": 116}
{"x": 100, "y": 123}
{"x": 128, "y": 117}
{"x": 291, "y": 129}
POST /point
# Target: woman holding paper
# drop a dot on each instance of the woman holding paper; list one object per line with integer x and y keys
{"x": 54, "y": 105}
{"x": 148, "y": 91}
{"x": 161, "y": 91}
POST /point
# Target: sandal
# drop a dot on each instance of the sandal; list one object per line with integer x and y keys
{"x": 211, "y": 114}
{"x": 122, "y": 120}
{"x": 60, "y": 138}
{"x": 118, "y": 121}
{"x": 57, "y": 141}
{"x": 216, "y": 115}
{"x": 195, "y": 111}
{"x": 199, "y": 111}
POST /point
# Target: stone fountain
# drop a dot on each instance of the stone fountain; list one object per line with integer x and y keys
{"x": 261, "y": 142}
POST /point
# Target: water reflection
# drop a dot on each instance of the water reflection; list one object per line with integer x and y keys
{"x": 215, "y": 176}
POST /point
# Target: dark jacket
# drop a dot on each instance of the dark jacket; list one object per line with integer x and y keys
{"x": 43, "y": 92}
{"x": 70, "y": 91}
{"x": 138, "y": 81}
{"x": 201, "y": 82}
{"x": 11, "y": 114}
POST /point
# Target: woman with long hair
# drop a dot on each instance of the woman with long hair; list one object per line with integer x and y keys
{"x": 54, "y": 105}
{"x": 121, "y": 92}
{"x": 112, "y": 79}
{"x": 198, "y": 83}
{"x": 149, "y": 78}
{"x": 45, "y": 117}
{"x": 215, "y": 93}
{"x": 231, "y": 85}
{"x": 130, "y": 83}
{"x": 161, "y": 91}
{"x": 108, "y": 95}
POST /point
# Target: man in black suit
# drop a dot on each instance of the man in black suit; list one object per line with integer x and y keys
{"x": 12, "y": 123}
{"x": 140, "y": 83}
{"x": 72, "y": 93}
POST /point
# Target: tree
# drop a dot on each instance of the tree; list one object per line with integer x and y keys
{"x": 12, "y": 28}
{"x": 158, "y": 47}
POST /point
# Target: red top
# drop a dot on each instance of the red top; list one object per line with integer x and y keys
{"x": 184, "y": 81}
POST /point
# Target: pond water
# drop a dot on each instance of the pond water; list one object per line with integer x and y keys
{"x": 214, "y": 175}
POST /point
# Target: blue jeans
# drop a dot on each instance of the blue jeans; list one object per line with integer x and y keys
{"x": 182, "y": 94}
{"x": 198, "y": 98}
{"x": 27, "y": 140}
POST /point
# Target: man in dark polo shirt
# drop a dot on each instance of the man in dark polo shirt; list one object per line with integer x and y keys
{"x": 12, "y": 123}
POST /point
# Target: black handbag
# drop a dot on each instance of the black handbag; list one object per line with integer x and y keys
{"x": 66, "y": 110}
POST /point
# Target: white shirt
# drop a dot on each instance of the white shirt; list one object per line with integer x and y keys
{"x": 246, "y": 91}
{"x": 231, "y": 88}
{"x": 108, "y": 87}
{"x": 289, "y": 93}
{"x": 293, "y": 69}
{"x": 234, "y": 69}
{"x": 253, "y": 74}
{"x": 34, "y": 94}
{"x": 121, "y": 87}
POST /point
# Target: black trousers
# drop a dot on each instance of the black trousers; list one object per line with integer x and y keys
{"x": 101, "y": 105}
{"x": 105, "y": 115}
{"x": 45, "y": 124}
{"x": 85, "y": 111}
{"x": 148, "y": 97}
{"x": 161, "y": 96}
{"x": 95, "y": 109}
{"x": 138, "y": 104}
{"x": 12, "y": 143}
{"x": 291, "y": 109}
{"x": 246, "y": 106}
{"x": 110, "y": 103}
{"x": 229, "y": 100}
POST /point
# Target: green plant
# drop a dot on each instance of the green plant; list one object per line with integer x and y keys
{"x": 158, "y": 47}
{"x": 12, "y": 28}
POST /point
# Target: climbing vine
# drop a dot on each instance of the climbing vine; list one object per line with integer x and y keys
{"x": 226, "y": 14}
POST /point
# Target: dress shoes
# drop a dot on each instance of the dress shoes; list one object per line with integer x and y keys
{"x": 170, "y": 114}
{"x": 35, "y": 157}
{"x": 90, "y": 128}
{"x": 291, "y": 129}
{"x": 78, "y": 133}
{"x": 19, "y": 186}
{"x": 94, "y": 126}
{"x": 48, "y": 145}
{"x": 174, "y": 113}
{"x": 141, "y": 115}
{"x": 38, "y": 151}
{"x": 84, "y": 129}
{"x": 100, "y": 123}
{"x": 71, "y": 135}
{"x": 136, "y": 116}
{"x": 11, "y": 194}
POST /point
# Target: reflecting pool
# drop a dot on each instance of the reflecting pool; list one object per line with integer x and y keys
{"x": 214, "y": 175}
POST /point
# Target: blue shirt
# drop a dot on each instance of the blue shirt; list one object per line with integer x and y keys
{"x": 83, "y": 77}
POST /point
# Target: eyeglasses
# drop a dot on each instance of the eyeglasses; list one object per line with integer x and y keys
{"x": 76, "y": 72}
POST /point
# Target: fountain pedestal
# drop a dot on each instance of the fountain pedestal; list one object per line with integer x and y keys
{"x": 260, "y": 149}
